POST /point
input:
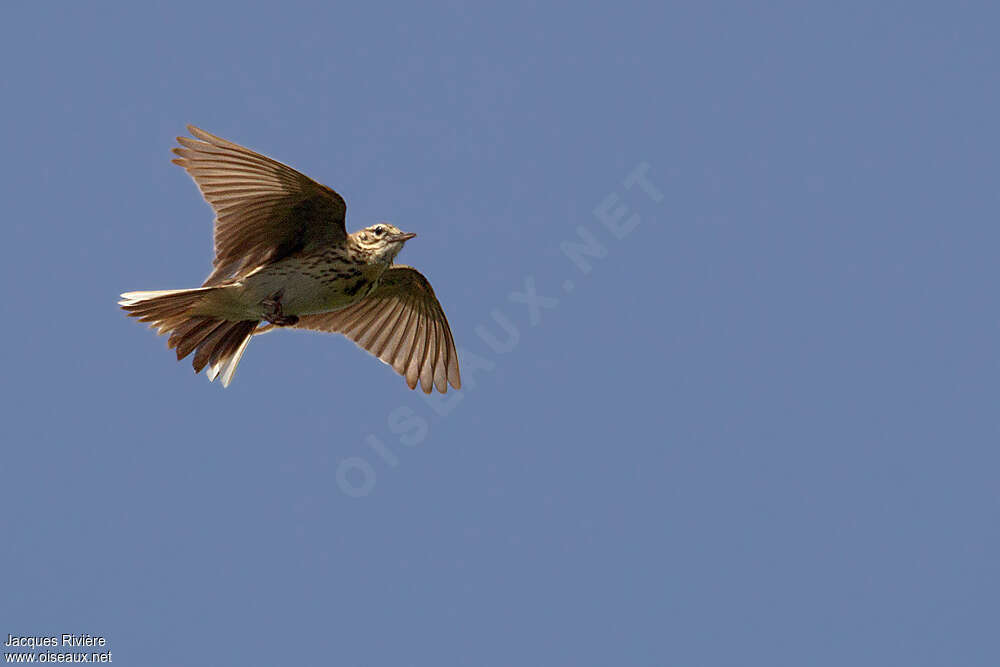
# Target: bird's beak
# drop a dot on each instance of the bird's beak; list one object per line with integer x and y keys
{"x": 406, "y": 236}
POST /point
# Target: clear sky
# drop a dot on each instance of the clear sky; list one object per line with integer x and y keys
{"x": 724, "y": 280}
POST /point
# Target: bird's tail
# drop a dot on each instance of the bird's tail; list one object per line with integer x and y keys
{"x": 217, "y": 343}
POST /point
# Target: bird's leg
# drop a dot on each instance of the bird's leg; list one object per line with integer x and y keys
{"x": 273, "y": 312}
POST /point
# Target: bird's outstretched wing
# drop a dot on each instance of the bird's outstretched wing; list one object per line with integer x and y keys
{"x": 402, "y": 323}
{"x": 264, "y": 210}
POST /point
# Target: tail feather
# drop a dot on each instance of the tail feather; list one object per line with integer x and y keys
{"x": 229, "y": 352}
{"x": 208, "y": 345}
{"x": 165, "y": 309}
{"x": 217, "y": 343}
{"x": 189, "y": 335}
{"x": 229, "y": 369}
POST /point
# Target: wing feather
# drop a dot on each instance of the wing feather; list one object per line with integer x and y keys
{"x": 379, "y": 345}
{"x": 427, "y": 357}
{"x": 265, "y": 210}
{"x": 416, "y": 352}
{"x": 399, "y": 344}
{"x": 402, "y": 323}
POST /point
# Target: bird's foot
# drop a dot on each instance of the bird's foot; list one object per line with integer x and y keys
{"x": 274, "y": 314}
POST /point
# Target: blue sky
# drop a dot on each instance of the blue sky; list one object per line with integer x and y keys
{"x": 756, "y": 425}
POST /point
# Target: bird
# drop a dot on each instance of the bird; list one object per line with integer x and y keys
{"x": 284, "y": 259}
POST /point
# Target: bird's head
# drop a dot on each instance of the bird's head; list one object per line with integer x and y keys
{"x": 381, "y": 242}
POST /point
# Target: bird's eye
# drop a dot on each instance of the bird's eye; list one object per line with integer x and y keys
{"x": 379, "y": 230}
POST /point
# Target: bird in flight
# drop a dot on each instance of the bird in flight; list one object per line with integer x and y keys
{"x": 283, "y": 256}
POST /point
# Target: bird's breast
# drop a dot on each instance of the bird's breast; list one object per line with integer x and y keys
{"x": 310, "y": 285}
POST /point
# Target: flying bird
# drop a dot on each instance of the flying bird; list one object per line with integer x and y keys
{"x": 283, "y": 256}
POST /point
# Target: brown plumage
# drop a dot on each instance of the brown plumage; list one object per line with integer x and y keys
{"x": 282, "y": 254}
